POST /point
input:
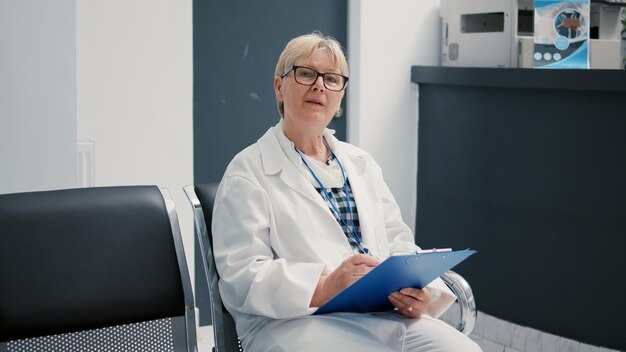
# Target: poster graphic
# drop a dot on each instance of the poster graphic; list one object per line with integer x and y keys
{"x": 561, "y": 34}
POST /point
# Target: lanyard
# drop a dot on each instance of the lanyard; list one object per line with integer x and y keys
{"x": 351, "y": 230}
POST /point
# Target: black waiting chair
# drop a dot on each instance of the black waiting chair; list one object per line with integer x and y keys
{"x": 202, "y": 197}
{"x": 93, "y": 269}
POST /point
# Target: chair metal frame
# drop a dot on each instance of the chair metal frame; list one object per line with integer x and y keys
{"x": 465, "y": 298}
{"x": 225, "y": 336}
{"x": 190, "y": 308}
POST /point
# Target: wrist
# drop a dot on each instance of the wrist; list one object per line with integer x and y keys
{"x": 319, "y": 296}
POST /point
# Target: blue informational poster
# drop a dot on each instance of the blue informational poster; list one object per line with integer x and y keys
{"x": 561, "y": 34}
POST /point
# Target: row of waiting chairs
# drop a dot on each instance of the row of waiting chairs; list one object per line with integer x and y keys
{"x": 104, "y": 269}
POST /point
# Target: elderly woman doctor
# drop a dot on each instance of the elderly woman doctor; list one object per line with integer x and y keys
{"x": 300, "y": 215}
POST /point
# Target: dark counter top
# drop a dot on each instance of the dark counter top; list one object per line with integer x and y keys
{"x": 598, "y": 80}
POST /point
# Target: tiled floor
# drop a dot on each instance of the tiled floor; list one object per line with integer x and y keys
{"x": 497, "y": 335}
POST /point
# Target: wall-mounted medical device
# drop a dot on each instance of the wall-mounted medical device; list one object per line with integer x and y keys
{"x": 499, "y": 33}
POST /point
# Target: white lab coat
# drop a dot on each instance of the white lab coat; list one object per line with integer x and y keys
{"x": 273, "y": 234}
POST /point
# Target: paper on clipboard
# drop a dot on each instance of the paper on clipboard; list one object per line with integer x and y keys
{"x": 369, "y": 293}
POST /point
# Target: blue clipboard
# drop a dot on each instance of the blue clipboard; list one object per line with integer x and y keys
{"x": 369, "y": 293}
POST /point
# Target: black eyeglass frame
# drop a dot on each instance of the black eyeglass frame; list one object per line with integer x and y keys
{"x": 318, "y": 74}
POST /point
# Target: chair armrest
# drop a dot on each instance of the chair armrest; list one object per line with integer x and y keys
{"x": 465, "y": 297}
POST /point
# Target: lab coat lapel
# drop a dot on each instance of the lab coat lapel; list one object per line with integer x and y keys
{"x": 294, "y": 180}
{"x": 276, "y": 162}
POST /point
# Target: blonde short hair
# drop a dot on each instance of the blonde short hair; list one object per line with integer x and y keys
{"x": 303, "y": 47}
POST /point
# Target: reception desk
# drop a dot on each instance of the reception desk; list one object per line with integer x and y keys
{"x": 529, "y": 168}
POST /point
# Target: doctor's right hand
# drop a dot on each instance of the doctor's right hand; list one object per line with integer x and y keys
{"x": 345, "y": 275}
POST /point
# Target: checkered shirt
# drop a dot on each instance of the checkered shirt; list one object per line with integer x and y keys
{"x": 339, "y": 198}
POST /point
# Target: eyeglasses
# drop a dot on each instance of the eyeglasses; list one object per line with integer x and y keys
{"x": 308, "y": 77}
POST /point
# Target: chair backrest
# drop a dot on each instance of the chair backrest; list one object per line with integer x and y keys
{"x": 202, "y": 197}
{"x": 93, "y": 269}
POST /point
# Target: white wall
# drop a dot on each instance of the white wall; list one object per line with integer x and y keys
{"x": 37, "y": 95}
{"x": 117, "y": 72}
{"x": 385, "y": 38}
{"x": 129, "y": 88}
{"x": 134, "y": 95}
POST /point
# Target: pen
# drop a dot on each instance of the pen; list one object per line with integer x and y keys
{"x": 434, "y": 250}
{"x": 424, "y": 251}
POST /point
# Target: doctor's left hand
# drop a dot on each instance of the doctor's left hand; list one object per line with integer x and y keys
{"x": 411, "y": 302}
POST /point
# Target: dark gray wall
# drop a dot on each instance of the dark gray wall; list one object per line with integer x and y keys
{"x": 527, "y": 167}
{"x": 236, "y": 47}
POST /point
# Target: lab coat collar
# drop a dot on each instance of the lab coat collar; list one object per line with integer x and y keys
{"x": 354, "y": 161}
{"x": 274, "y": 159}
{"x": 273, "y": 156}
